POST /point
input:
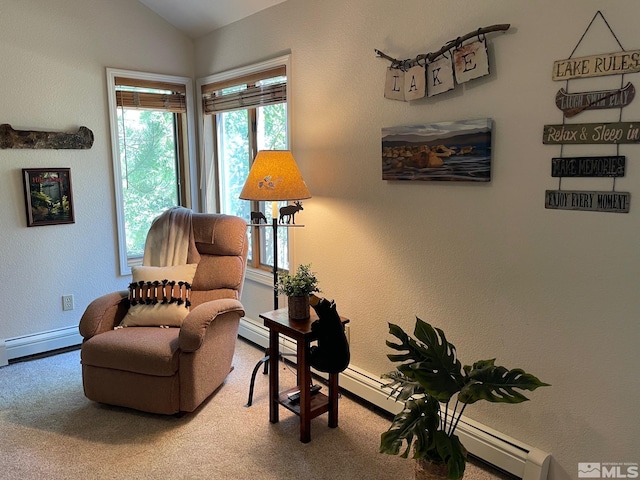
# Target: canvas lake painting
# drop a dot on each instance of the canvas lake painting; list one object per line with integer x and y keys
{"x": 449, "y": 151}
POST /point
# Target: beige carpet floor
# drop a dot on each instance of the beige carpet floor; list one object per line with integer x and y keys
{"x": 50, "y": 431}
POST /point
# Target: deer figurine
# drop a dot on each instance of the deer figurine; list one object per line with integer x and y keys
{"x": 257, "y": 217}
{"x": 289, "y": 213}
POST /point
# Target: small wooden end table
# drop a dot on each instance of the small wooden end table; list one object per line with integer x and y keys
{"x": 309, "y": 406}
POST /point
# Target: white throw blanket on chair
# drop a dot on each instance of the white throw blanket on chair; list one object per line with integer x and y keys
{"x": 170, "y": 240}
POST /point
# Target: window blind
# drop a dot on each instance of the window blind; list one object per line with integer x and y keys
{"x": 264, "y": 88}
{"x": 150, "y": 95}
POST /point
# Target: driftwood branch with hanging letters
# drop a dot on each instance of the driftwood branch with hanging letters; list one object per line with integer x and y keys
{"x": 10, "y": 138}
{"x": 431, "y": 74}
{"x": 429, "y": 57}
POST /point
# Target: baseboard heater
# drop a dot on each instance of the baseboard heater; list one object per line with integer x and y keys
{"x": 36, "y": 343}
{"x": 493, "y": 447}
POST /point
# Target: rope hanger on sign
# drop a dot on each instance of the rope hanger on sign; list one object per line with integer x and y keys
{"x": 564, "y": 117}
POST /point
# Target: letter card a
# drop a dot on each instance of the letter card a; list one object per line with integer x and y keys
{"x": 415, "y": 86}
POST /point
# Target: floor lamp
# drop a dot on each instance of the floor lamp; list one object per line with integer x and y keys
{"x": 275, "y": 177}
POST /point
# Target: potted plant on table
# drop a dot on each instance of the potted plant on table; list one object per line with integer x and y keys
{"x": 426, "y": 380}
{"x": 297, "y": 287}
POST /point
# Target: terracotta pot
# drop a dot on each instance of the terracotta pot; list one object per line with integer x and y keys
{"x": 426, "y": 470}
{"x": 299, "y": 307}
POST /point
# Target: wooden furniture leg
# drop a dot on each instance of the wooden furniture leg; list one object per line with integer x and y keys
{"x": 333, "y": 400}
{"x": 304, "y": 384}
{"x": 273, "y": 377}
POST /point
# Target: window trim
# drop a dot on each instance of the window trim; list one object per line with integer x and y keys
{"x": 189, "y": 172}
{"x": 207, "y": 138}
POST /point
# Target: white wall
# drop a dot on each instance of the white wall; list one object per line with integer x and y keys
{"x": 553, "y": 292}
{"x": 54, "y": 56}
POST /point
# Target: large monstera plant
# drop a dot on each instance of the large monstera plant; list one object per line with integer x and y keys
{"x": 427, "y": 378}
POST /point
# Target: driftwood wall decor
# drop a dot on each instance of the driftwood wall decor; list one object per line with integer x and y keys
{"x": 10, "y": 138}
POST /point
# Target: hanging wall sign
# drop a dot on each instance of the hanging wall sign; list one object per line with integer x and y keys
{"x": 471, "y": 61}
{"x": 394, "y": 85}
{"x": 597, "y": 65}
{"x": 574, "y": 103}
{"x": 613, "y": 202}
{"x": 613, "y": 166}
{"x": 415, "y": 85}
{"x": 592, "y": 133}
{"x": 440, "y": 76}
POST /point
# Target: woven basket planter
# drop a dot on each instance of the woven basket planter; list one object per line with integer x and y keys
{"x": 426, "y": 470}
{"x": 299, "y": 308}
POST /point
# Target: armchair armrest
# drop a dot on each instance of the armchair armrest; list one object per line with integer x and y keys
{"x": 104, "y": 313}
{"x": 194, "y": 325}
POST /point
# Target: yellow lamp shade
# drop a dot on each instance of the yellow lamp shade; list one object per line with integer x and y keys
{"x": 274, "y": 176}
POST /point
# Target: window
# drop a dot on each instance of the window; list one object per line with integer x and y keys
{"x": 245, "y": 111}
{"x": 150, "y": 145}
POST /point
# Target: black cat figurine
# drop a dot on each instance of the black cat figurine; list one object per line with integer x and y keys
{"x": 331, "y": 355}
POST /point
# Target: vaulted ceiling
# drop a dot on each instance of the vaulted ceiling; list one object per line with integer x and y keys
{"x": 199, "y": 17}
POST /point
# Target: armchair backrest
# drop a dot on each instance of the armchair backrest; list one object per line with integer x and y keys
{"x": 221, "y": 241}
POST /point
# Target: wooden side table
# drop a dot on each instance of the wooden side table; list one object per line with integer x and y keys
{"x": 309, "y": 406}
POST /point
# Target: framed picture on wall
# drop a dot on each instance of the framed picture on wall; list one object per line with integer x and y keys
{"x": 48, "y": 196}
{"x": 449, "y": 151}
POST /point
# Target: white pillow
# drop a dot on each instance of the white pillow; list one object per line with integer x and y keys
{"x": 159, "y": 296}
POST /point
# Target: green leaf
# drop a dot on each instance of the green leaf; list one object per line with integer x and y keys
{"x": 416, "y": 421}
{"x": 452, "y": 453}
{"x": 407, "y": 343}
{"x": 433, "y": 363}
{"x": 487, "y": 381}
{"x": 301, "y": 283}
{"x": 401, "y": 387}
{"x": 479, "y": 365}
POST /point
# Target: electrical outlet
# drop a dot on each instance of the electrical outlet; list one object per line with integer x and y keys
{"x": 67, "y": 302}
{"x": 347, "y": 332}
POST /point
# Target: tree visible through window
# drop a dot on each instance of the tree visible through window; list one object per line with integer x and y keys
{"x": 248, "y": 114}
{"x": 148, "y": 162}
{"x": 150, "y": 144}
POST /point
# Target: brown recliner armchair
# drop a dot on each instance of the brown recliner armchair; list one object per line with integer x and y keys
{"x": 171, "y": 370}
